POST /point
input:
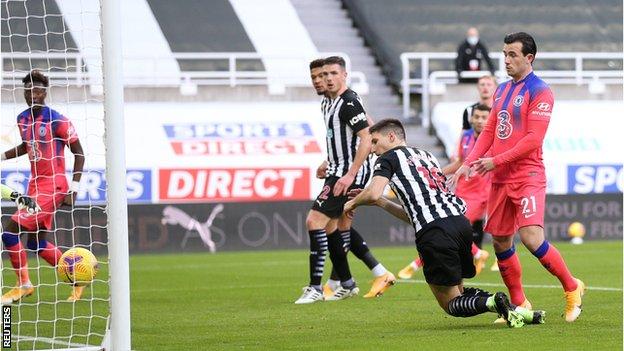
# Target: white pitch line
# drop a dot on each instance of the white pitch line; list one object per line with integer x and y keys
{"x": 602, "y": 288}
{"x": 55, "y": 341}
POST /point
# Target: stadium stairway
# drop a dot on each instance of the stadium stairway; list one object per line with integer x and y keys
{"x": 332, "y": 30}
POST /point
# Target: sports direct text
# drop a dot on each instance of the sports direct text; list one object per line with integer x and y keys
{"x": 228, "y": 139}
{"x": 250, "y": 184}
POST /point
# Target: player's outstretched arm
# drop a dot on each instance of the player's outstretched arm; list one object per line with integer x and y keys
{"x": 370, "y": 195}
{"x": 76, "y": 149}
{"x": 394, "y": 209}
{"x": 453, "y": 166}
{"x": 386, "y": 204}
{"x": 462, "y": 171}
{"x": 533, "y": 140}
{"x": 6, "y": 192}
{"x": 23, "y": 202}
{"x": 14, "y": 152}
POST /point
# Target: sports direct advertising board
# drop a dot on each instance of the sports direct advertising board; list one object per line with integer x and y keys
{"x": 217, "y": 177}
{"x": 582, "y": 149}
{"x": 194, "y": 152}
{"x": 263, "y": 152}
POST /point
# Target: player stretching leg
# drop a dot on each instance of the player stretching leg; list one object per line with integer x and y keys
{"x": 514, "y": 135}
{"x": 443, "y": 234}
{"x": 474, "y": 192}
{"x": 45, "y": 133}
{"x": 352, "y": 240}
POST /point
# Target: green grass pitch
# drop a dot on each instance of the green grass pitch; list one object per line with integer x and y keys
{"x": 244, "y": 300}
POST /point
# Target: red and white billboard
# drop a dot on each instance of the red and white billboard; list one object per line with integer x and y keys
{"x": 242, "y": 138}
{"x": 244, "y": 147}
{"x": 195, "y": 152}
{"x": 234, "y": 184}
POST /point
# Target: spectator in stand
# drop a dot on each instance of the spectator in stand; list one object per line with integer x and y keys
{"x": 470, "y": 54}
{"x": 486, "y": 85}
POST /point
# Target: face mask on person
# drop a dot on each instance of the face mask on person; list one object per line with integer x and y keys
{"x": 472, "y": 40}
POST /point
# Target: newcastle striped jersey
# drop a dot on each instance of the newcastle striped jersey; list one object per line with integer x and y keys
{"x": 344, "y": 118}
{"x": 416, "y": 179}
{"x": 466, "y": 117}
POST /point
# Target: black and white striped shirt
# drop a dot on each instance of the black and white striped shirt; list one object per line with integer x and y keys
{"x": 467, "y": 114}
{"x": 344, "y": 118}
{"x": 415, "y": 176}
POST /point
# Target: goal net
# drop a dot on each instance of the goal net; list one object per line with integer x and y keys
{"x": 63, "y": 40}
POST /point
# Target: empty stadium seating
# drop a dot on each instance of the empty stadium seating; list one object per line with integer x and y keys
{"x": 203, "y": 26}
{"x": 438, "y": 26}
{"x": 35, "y": 34}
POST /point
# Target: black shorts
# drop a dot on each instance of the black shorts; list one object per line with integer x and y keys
{"x": 445, "y": 249}
{"x": 327, "y": 203}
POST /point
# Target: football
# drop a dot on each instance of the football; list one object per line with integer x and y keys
{"x": 576, "y": 230}
{"x": 77, "y": 266}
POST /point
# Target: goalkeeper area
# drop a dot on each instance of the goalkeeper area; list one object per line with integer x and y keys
{"x": 243, "y": 300}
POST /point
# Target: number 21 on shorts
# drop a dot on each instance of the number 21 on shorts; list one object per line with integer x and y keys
{"x": 529, "y": 208}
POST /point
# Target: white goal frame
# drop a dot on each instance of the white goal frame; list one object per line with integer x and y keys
{"x": 116, "y": 200}
{"x": 117, "y": 337}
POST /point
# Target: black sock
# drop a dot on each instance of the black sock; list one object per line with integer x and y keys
{"x": 318, "y": 248}
{"x": 361, "y": 251}
{"x": 334, "y": 275}
{"x": 346, "y": 240}
{"x": 467, "y": 305}
{"x": 338, "y": 256}
{"x": 477, "y": 232}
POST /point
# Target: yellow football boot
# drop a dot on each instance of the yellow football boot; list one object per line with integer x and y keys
{"x": 16, "y": 294}
{"x": 381, "y": 284}
{"x": 573, "y": 302}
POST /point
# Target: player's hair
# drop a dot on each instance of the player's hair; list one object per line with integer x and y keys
{"x": 488, "y": 76}
{"x": 35, "y": 76}
{"x": 317, "y": 63}
{"x": 389, "y": 125}
{"x": 481, "y": 107}
{"x": 527, "y": 41}
{"x": 336, "y": 60}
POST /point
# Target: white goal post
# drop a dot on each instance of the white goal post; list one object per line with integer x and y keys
{"x": 45, "y": 35}
{"x": 117, "y": 204}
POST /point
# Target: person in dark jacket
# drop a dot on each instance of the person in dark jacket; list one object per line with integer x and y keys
{"x": 470, "y": 55}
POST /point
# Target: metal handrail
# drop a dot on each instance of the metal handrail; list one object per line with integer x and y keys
{"x": 74, "y": 72}
{"x": 577, "y": 76}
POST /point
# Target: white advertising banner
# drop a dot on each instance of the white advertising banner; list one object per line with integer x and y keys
{"x": 194, "y": 152}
